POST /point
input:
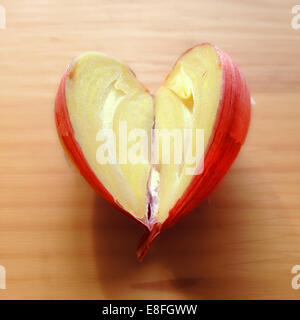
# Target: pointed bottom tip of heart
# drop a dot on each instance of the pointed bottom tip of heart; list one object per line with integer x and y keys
{"x": 147, "y": 240}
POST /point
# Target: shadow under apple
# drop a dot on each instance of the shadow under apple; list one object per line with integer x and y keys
{"x": 186, "y": 261}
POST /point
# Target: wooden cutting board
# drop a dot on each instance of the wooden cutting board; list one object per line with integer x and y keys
{"x": 59, "y": 240}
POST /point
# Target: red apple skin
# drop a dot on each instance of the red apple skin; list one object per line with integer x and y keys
{"x": 229, "y": 133}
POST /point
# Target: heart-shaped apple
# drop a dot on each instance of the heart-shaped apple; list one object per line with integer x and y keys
{"x": 204, "y": 91}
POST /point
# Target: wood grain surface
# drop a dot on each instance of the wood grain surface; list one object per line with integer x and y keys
{"x": 59, "y": 240}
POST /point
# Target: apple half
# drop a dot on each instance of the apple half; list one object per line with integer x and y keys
{"x": 204, "y": 90}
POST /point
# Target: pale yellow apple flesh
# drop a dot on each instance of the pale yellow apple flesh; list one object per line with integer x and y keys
{"x": 101, "y": 92}
{"x": 188, "y": 99}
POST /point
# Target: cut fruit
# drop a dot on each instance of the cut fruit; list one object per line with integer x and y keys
{"x": 101, "y": 93}
{"x": 116, "y": 133}
{"x": 189, "y": 99}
